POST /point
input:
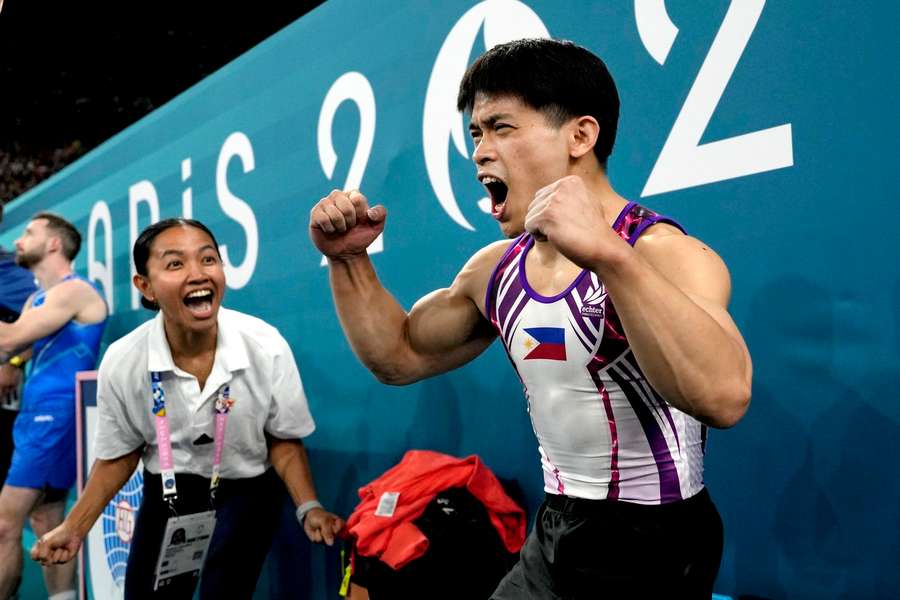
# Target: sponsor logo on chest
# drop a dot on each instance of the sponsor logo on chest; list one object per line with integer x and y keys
{"x": 593, "y": 303}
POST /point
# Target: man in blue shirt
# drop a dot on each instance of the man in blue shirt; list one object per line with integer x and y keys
{"x": 16, "y": 285}
{"x": 62, "y": 325}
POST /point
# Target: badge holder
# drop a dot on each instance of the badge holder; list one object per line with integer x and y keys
{"x": 184, "y": 546}
{"x": 186, "y": 538}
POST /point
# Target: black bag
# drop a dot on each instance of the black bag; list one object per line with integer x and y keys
{"x": 465, "y": 560}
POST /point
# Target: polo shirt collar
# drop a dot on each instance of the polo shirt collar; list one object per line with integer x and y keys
{"x": 230, "y": 347}
{"x": 159, "y": 356}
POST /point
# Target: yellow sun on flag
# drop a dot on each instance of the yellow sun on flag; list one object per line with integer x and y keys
{"x": 529, "y": 344}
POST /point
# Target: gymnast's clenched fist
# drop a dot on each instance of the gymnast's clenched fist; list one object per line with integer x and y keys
{"x": 342, "y": 225}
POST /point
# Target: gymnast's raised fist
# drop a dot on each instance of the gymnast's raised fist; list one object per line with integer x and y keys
{"x": 342, "y": 225}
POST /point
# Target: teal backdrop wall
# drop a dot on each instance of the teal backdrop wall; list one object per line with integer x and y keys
{"x": 767, "y": 128}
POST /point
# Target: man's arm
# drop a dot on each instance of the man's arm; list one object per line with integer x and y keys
{"x": 11, "y": 375}
{"x": 681, "y": 333}
{"x": 24, "y": 350}
{"x": 288, "y": 458}
{"x": 63, "y": 303}
{"x": 107, "y": 477}
{"x": 444, "y": 330}
{"x": 671, "y": 293}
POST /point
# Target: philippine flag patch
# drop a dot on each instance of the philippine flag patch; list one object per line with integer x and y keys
{"x": 547, "y": 343}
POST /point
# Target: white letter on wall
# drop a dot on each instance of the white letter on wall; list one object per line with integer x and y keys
{"x": 237, "y": 144}
{"x": 98, "y": 271}
{"x": 142, "y": 191}
{"x": 187, "y": 197}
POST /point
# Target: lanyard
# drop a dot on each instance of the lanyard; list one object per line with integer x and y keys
{"x": 164, "y": 439}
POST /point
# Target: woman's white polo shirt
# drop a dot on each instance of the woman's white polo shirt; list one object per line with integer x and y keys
{"x": 251, "y": 357}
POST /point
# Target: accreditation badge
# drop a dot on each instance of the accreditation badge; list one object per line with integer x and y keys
{"x": 184, "y": 547}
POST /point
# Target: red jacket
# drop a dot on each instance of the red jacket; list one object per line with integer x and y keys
{"x": 418, "y": 478}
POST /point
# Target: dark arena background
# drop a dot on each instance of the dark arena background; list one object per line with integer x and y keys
{"x": 766, "y": 128}
{"x": 74, "y": 74}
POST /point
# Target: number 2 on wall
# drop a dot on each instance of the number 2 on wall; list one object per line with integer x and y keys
{"x": 349, "y": 86}
{"x": 683, "y": 161}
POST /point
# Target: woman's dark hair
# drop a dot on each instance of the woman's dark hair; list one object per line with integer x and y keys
{"x": 558, "y": 78}
{"x": 142, "y": 246}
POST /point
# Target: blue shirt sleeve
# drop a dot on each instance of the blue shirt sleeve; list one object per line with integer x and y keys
{"x": 16, "y": 283}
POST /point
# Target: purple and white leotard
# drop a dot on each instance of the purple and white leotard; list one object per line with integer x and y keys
{"x": 602, "y": 430}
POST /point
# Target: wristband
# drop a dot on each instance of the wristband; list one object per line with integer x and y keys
{"x": 305, "y": 508}
{"x": 17, "y": 361}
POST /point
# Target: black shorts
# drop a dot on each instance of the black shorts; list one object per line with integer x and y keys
{"x": 592, "y": 549}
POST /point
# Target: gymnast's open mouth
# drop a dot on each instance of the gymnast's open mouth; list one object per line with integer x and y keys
{"x": 497, "y": 190}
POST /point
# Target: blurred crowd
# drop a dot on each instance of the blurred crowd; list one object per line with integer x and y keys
{"x": 21, "y": 170}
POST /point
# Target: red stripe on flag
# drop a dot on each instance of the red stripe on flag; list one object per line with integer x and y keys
{"x": 548, "y": 351}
